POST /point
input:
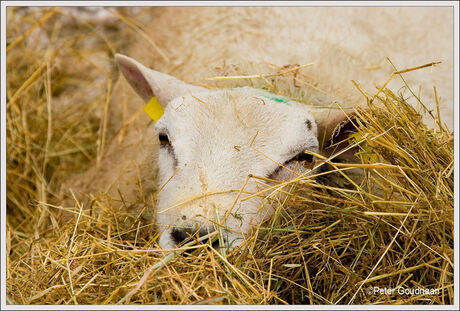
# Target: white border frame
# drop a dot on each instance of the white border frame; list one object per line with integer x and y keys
{"x": 5, "y": 4}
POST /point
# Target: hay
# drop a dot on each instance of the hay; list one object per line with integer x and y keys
{"x": 330, "y": 241}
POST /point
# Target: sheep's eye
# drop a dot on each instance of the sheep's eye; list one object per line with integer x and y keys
{"x": 164, "y": 139}
{"x": 303, "y": 157}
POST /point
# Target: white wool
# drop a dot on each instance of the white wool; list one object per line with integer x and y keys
{"x": 211, "y": 130}
{"x": 343, "y": 44}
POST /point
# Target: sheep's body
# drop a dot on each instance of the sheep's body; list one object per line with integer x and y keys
{"x": 343, "y": 44}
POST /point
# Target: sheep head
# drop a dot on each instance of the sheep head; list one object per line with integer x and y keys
{"x": 212, "y": 141}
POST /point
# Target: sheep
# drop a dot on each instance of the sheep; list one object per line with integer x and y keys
{"x": 212, "y": 138}
{"x": 342, "y": 43}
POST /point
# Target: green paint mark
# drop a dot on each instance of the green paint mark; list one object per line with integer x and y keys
{"x": 280, "y": 100}
{"x": 268, "y": 95}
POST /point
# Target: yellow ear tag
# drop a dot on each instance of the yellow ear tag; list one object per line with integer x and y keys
{"x": 154, "y": 109}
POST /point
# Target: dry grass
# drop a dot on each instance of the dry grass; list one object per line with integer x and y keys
{"x": 329, "y": 241}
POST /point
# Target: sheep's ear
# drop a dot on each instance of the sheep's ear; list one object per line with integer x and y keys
{"x": 147, "y": 82}
{"x": 334, "y": 128}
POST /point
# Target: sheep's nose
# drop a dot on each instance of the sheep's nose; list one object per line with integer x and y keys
{"x": 179, "y": 235}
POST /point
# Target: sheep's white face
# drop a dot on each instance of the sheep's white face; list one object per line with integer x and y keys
{"x": 211, "y": 141}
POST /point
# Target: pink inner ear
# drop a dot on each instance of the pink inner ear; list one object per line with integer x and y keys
{"x": 339, "y": 141}
{"x": 138, "y": 81}
{"x": 343, "y": 132}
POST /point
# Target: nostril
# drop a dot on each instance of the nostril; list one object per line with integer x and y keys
{"x": 179, "y": 235}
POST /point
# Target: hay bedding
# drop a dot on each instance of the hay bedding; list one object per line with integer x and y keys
{"x": 330, "y": 240}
